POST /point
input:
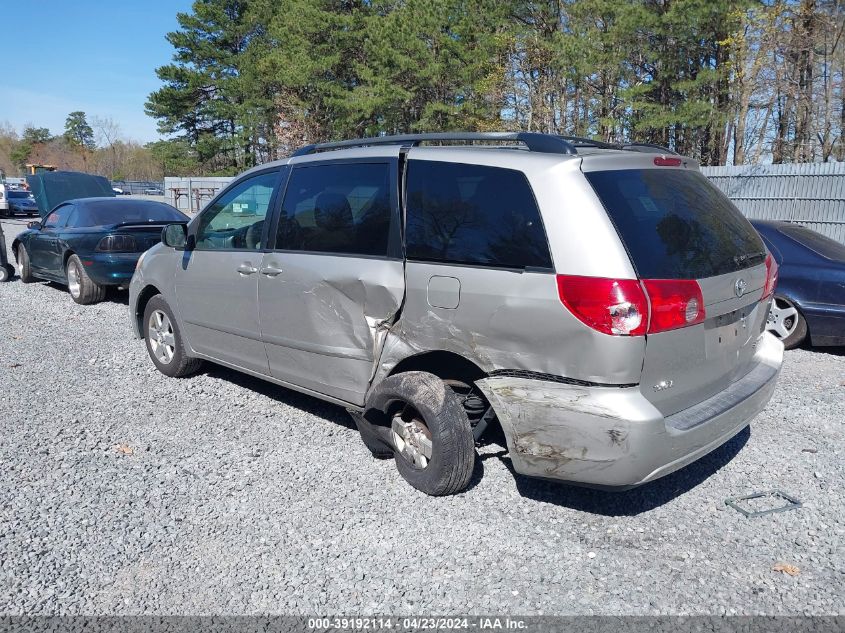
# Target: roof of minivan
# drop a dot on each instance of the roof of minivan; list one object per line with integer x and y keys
{"x": 591, "y": 158}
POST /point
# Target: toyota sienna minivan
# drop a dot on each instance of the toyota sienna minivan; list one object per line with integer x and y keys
{"x": 604, "y": 306}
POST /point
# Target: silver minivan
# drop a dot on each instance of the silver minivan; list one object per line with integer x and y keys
{"x": 601, "y": 306}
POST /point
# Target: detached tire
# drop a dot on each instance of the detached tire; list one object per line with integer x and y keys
{"x": 432, "y": 438}
{"x": 164, "y": 341}
{"x": 82, "y": 288}
{"x": 24, "y": 265}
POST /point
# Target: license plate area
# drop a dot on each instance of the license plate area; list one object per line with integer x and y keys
{"x": 727, "y": 334}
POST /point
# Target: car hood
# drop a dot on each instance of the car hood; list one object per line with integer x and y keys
{"x": 23, "y": 202}
{"x": 51, "y": 188}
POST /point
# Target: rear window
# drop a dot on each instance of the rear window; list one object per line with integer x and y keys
{"x": 824, "y": 246}
{"x": 675, "y": 224}
{"x": 472, "y": 214}
{"x": 117, "y": 213}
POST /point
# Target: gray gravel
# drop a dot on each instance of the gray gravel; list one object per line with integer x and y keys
{"x": 125, "y": 492}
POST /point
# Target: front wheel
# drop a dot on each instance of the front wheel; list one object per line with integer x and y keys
{"x": 786, "y": 322}
{"x": 164, "y": 341}
{"x": 429, "y": 429}
{"x": 24, "y": 265}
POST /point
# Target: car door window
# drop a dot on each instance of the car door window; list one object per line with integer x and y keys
{"x": 338, "y": 209}
{"x": 235, "y": 221}
{"x": 58, "y": 218}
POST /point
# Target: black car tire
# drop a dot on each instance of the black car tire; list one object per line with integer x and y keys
{"x": 6, "y": 273}
{"x": 89, "y": 290}
{"x": 423, "y": 400}
{"x": 180, "y": 365}
{"x": 24, "y": 266}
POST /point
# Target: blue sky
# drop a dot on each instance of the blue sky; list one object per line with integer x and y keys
{"x": 95, "y": 56}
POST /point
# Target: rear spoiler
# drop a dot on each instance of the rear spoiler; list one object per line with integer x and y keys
{"x": 140, "y": 224}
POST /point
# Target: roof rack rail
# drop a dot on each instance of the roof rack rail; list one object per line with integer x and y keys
{"x": 589, "y": 142}
{"x": 543, "y": 143}
{"x": 648, "y": 148}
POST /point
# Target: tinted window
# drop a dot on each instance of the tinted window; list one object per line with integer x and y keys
{"x": 339, "y": 208}
{"x": 98, "y": 214}
{"x": 236, "y": 219}
{"x": 824, "y": 246}
{"x": 675, "y": 224}
{"x": 21, "y": 194}
{"x": 58, "y": 218}
{"x": 471, "y": 214}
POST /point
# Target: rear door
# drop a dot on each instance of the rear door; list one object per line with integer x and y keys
{"x": 217, "y": 281}
{"x": 676, "y": 225}
{"x": 334, "y": 282}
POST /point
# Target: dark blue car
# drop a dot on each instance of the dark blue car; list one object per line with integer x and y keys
{"x": 89, "y": 244}
{"x": 810, "y": 294}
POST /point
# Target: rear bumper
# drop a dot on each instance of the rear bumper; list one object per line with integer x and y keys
{"x": 111, "y": 269}
{"x": 614, "y": 437}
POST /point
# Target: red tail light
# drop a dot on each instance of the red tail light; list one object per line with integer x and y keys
{"x": 612, "y": 306}
{"x": 771, "y": 276}
{"x": 663, "y": 161}
{"x": 622, "y": 307}
{"x": 674, "y": 303}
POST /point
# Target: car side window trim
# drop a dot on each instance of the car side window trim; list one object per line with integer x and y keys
{"x": 194, "y": 224}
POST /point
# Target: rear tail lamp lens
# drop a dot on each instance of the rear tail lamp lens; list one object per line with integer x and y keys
{"x": 771, "y": 276}
{"x": 612, "y": 306}
{"x": 674, "y": 303}
{"x": 626, "y": 307}
{"x": 663, "y": 161}
{"x": 117, "y": 244}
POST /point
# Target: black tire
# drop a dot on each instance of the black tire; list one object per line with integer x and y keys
{"x": 89, "y": 290}
{"x": 797, "y": 329}
{"x": 5, "y": 273}
{"x": 374, "y": 437}
{"x": 24, "y": 266}
{"x": 180, "y": 364}
{"x": 423, "y": 397}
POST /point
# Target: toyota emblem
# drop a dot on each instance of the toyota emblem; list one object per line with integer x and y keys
{"x": 740, "y": 286}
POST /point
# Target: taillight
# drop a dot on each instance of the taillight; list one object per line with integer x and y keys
{"x": 612, "y": 306}
{"x": 771, "y": 277}
{"x": 117, "y": 244}
{"x": 622, "y": 307}
{"x": 664, "y": 161}
{"x": 674, "y": 303}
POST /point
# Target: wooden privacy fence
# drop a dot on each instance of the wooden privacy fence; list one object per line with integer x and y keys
{"x": 811, "y": 194}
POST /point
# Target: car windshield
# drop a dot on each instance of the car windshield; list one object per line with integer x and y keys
{"x": 675, "y": 224}
{"x": 117, "y": 213}
{"x": 816, "y": 242}
{"x": 21, "y": 194}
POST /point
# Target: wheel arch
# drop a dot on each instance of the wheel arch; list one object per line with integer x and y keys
{"x": 443, "y": 364}
{"x": 148, "y": 292}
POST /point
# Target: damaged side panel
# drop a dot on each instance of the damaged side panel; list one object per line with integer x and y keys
{"x": 325, "y": 319}
{"x": 507, "y": 320}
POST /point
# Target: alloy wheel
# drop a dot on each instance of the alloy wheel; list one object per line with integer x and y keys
{"x": 783, "y": 318}
{"x": 161, "y": 337}
{"x": 74, "y": 283}
{"x": 411, "y": 437}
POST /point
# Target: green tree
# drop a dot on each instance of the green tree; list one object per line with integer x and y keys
{"x": 78, "y": 132}
{"x": 34, "y": 135}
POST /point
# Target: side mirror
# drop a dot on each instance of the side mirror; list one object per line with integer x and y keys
{"x": 35, "y": 226}
{"x": 175, "y": 236}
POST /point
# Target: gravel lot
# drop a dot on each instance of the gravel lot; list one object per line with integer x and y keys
{"x": 125, "y": 492}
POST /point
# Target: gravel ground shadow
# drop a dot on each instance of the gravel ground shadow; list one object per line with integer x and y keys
{"x": 638, "y": 500}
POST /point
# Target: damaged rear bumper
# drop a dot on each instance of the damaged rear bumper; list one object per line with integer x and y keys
{"x": 614, "y": 437}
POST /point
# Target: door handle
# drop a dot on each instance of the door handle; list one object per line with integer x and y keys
{"x": 271, "y": 271}
{"x": 247, "y": 269}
